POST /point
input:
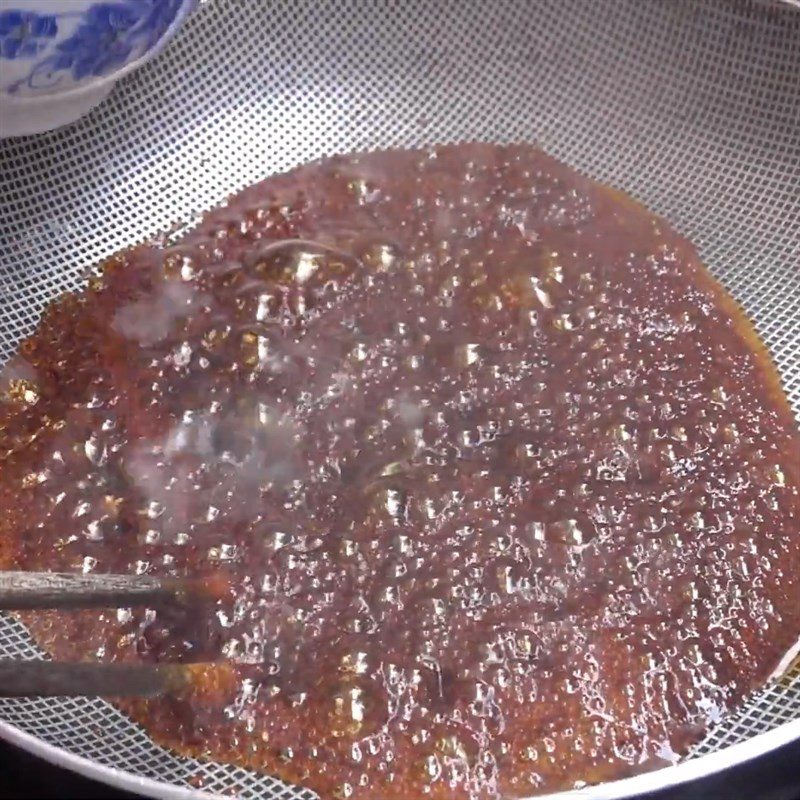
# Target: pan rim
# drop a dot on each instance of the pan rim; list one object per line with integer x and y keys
{"x": 663, "y": 778}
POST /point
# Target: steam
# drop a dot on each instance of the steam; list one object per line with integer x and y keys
{"x": 16, "y": 370}
{"x": 152, "y": 318}
{"x": 248, "y": 451}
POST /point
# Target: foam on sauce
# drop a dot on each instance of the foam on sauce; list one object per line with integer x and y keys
{"x": 504, "y": 487}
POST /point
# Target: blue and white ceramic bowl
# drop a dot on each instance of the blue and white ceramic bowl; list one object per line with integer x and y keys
{"x": 60, "y": 58}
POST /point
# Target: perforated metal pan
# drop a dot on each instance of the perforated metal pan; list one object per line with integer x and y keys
{"x": 692, "y": 106}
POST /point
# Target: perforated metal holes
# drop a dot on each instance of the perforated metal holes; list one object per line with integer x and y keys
{"x": 693, "y": 106}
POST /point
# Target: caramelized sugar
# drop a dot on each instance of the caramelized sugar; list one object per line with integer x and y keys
{"x": 504, "y": 485}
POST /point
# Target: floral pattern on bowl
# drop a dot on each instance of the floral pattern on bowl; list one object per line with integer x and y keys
{"x": 64, "y": 49}
{"x": 24, "y": 34}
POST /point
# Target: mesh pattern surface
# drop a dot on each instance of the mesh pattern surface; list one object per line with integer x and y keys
{"x": 692, "y": 106}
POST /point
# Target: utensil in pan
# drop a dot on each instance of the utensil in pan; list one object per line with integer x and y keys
{"x": 45, "y": 590}
{"x": 692, "y": 106}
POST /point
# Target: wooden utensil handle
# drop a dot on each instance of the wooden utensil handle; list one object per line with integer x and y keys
{"x": 30, "y": 590}
{"x": 52, "y": 679}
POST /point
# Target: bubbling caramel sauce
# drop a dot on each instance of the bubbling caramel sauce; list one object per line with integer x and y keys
{"x": 504, "y": 485}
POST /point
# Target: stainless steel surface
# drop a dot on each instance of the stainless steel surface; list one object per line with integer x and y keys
{"x": 693, "y": 107}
